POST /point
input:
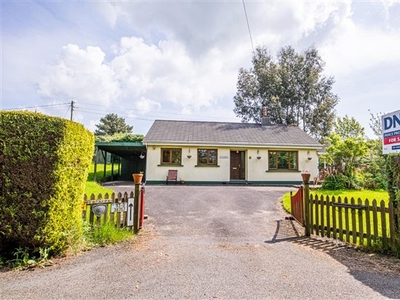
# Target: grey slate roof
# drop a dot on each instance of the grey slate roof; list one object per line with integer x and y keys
{"x": 220, "y": 133}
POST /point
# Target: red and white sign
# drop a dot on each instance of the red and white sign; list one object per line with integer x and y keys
{"x": 391, "y": 132}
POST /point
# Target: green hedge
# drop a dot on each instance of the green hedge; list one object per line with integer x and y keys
{"x": 44, "y": 163}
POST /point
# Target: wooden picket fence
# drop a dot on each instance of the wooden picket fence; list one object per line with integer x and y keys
{"x": 357, "y": 222}
{"x": 115, "y": 209}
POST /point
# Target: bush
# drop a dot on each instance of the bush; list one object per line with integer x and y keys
{"x": 44, "y": 164}
{"x": 335, "y": 182}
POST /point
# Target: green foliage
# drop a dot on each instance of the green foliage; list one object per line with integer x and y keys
{"x": 286, "y": 202}
{"x": 45, "y": 162}
{"x": 374, "y": 170}
{"x": 349, "y": 128}
{"x": 375, "y": 124}
{"x": 23, "y": 260}
{"x": 108, "y": 233}
{"x": 393, "y": 176}
{"x": 120, "y": 137}
{"x": 335, "y": 182}
{"x": 112, "y": 124}
{"x": 293, "y": 89}
{"x": 347, "y": 148}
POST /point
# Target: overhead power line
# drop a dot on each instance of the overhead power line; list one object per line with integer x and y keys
{"x": 37, "y": 106}
{"x": 122, "y": 111}
{"x": 248, "y": 25}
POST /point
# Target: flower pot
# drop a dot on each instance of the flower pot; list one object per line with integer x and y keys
{"x": 137, "y": 178}
{"x": 306, "y": 177}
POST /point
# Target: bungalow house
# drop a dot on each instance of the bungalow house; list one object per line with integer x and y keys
{"x": 223, "y": 153}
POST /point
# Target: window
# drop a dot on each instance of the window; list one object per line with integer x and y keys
{"x": 171, "y": 156}
{"x": 207, "y": 156}
{"x": 283, "y": 160}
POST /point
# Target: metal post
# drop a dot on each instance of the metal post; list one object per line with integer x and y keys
{"x": 95, "y": 164}
{"x": 136, "y": 208}
{"x": 112, "y": 167}
{"x": 105, "y": 164}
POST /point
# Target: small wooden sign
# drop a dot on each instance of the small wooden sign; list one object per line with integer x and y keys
{"x": 130, "y": 211}
{"x": 119, "y": 207}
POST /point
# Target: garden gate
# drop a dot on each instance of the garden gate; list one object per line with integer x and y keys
{"x": 296, "y": 202}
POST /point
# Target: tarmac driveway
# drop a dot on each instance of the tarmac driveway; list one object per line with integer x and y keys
{"x": 229, "y": 242}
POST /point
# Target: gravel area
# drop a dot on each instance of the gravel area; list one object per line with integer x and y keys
{"x": 226, "y": 242}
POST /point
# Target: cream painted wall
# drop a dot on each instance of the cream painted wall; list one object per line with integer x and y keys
{"x": 188, "y": 171}
{"x": 256, "y": 169}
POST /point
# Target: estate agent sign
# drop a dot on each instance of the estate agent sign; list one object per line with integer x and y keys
{"x": 391, "y": 132}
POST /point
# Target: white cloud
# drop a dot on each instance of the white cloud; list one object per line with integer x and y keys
{"x": 354, "y": 49}
{"x": 80, "y": 75}
{"x": 146, "y": 77}
{"x": 145, "y": 106}
{"x": 151, "y": 59}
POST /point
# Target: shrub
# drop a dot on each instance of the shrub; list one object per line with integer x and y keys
{"x": 44, "y": 164}
{"x": 335, "y": 182}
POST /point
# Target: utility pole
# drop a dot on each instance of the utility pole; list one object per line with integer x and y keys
{"x": 72, "y": 109}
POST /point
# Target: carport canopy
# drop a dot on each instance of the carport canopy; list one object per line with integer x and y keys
{"x": 128, "y": 151}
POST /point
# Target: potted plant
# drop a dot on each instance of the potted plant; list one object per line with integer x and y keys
{"x": 137, "y": 178}
{"x": 306, "y": 176}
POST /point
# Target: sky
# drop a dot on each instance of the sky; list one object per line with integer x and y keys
{"x": 179, "y": 60}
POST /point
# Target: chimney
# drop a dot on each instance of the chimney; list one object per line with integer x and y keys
{"x": 265, "y": 120}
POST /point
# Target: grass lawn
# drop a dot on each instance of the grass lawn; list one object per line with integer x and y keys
{"x": 93, "y": 187}
{"x": 100, "y": 171}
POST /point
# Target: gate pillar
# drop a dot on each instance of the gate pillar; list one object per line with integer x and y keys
{"x": 306, "y": 202}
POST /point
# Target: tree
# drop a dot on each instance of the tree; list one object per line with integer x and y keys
{"x": 375, "y": 123}
{"x": 347, "y": 147}
{"x": 293, "y": 90}
{"x": 349, "y": 128}
{"x": 112, "y": 124}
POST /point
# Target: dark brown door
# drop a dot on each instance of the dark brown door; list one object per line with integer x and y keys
{"x": 237, "y": 165}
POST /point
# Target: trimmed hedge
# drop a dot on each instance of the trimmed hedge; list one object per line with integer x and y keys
{"x": 44, "y": 164}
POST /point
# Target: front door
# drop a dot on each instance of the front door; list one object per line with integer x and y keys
{"x": 237, "y": 165}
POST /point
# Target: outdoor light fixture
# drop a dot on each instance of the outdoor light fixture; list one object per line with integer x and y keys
{"x": 258, "y": 154}
{"x": 142, "y": 155}
{"x": 309, "y": 155}
{"x": 189, "y": 155}
{"x": 99, "y": 209}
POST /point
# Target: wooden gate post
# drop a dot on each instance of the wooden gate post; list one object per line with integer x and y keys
{"x": 306, "y": 202}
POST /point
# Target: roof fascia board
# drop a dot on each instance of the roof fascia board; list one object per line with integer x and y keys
{"x": 129, "y": 144}
{"x": 236, "y": 145}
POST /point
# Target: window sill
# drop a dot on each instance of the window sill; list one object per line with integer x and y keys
{"x": 282, "y": 171}
{"x": 170, "y": 165}
{"x": 207, "y": 166}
